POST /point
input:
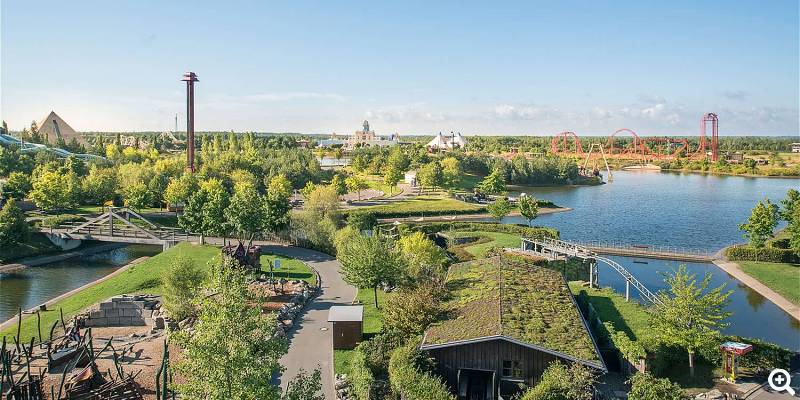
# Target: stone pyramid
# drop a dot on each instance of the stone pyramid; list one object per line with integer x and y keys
{"x": 54, "y": 127}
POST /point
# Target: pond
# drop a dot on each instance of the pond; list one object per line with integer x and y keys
{"x": 29, "y": 287}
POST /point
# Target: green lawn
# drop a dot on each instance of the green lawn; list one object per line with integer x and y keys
{"x": 140, "y": 278}
{"x": 341, "y": 361}
{"x": 496, "y": 239}
{"x": 781, "y": 277}
{"x": 418, "y": 204}
{"x": 626, "y": 316}
{"x": 36, "y": 245}
{"x": 290, "y": 269}
{"x": 372, "y": 316}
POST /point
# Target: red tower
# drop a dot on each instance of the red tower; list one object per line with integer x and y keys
{"x": 709, "y": 117}
{"x": 190, "y": 78}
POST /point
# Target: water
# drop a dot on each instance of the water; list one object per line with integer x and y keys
{"x": 684, "y": 210}
{"x": 29, "y": 287}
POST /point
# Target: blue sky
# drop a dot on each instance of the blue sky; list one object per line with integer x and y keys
{"x": 411, "y": 67}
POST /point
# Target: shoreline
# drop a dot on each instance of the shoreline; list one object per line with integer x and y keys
{"x": 52, "y": 258}
{"x": 4, "y": 325}
{"x": 751, "y": 282}
{"x": 728, "y": 174}
{"x": 468, "y": 217}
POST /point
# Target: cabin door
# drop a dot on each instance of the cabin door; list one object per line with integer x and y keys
{"x": 475, "y": 384}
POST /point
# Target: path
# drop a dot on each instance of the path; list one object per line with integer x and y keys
{"x": 735, "y": 270}
{"x": 469, "y": 217}
{"x": 311, "y": 347}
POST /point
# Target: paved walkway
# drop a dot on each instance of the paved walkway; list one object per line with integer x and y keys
{"x": 735, "y": 270}
{"x": 311, "y": 347}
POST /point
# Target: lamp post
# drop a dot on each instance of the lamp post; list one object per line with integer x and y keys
{"x": 190, "y": 78}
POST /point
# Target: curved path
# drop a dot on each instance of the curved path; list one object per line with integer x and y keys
{"x": 310, "y": 346}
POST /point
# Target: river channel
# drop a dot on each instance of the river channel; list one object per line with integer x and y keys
{"x": 29, "y": 287}
{"x": 675, "y": 209}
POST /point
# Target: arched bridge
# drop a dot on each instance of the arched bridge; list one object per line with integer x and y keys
{"x": 116, "y": 226}
{"x": 559, "y": 249}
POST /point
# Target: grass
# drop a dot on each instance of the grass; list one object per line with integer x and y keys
{"x": 534, "y": 306}
{"x": 496, "y": 239}
{"x": 626, "y": 316}
{"x": 341, "y": 361}
{"x": 433, "y": 204}
{"x": 290, "y": 269}
{"x": 783, "y": 278}
{"x": 373, "y": 317}
{"x": 36, "y": 245}
{"x": 141, "y": 278}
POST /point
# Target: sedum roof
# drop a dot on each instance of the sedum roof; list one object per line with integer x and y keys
{"x": 510, "y": 297}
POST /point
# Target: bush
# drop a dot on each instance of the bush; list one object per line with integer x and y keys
{"x": 412, "y": 382}
{"x": 646, "y": 387}
{"x": 409, "y": 312}
{"x": 181, "y": 283}
{"x": 360, "y": 377}
{"x": 378, "y": 350}
{"x": 522, "y": 230}
{"x": 765, "y": 254}
{"x": 764, "y": 357}
{"x": 56, "y": 220}
{"x": 560, "y": 382}
{"x": 362, "y": 220}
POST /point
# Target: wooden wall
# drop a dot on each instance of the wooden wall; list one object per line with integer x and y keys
{"x": 346, "y": 334}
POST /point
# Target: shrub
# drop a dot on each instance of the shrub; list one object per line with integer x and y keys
{"x": 56, "y": 220}
{"x": 409, "y": 312}
{"x": 560, "y": 382}
{"x": 764, "y": 357}
{"x": 360, "y": 377}
{"x": 378, "y": 350}
{"x": 181, "y": 284}
{"x": 412, "y": 382}
{"x": 362, "y": 220}
{"x": 766, "y": 254}
{"x": 647, "y": 387}
{"x": 522, "y": 230}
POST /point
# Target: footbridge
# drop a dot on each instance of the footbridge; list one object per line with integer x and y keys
{"x": 554, "y": 249}
{"x": 116, "y": 225}
{"x": 648, "y": 251}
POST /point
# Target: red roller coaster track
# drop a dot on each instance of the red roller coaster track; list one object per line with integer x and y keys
{"x": 563, "y": 139}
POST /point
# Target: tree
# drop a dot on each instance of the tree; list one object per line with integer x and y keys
{"x": 424, "y": 259}
{"x": 451, "y": 172}
{"x": 279, "y": 187}
{"x": 100, "y": 185}
{"x": 54, "y": 190}
{"x": 499, "y": 208}
{"x": 529, "y": 208}
{"x": 689, "y": 315}
{"x": 494, "y": 183}
{"x": 647, "y": 387}
{"x": 217, "y": 200}
{"x": 18, "y": 185}
{"x": 179, "y": 190}
{"x": 790, "y": 204}
{"x": 13, "y": 227}
{"x": 794, "y": 231}
{"x": 430, "y": 175}
{"x": 137, "y": 196}
{"x": 181, "y": 285}
{"x": 304, "y": 386}
{"x": 392, "y": 178}
{"x": 560, "y": 382}
{"x": 761, "y": 224}
{"x": 367, "y": 262}
{"x": 337, "y": 182}
{"x": 410, "y": 311}
{"x": 276, "y": 204}
{"x": 362, "y": 220}
{"x": 356, "y": 184}
{"x": 191, "y": 220}
{"x": 244, "y": 366}
{"x": 322, "y": 202}
{"x": 245, "y": 214}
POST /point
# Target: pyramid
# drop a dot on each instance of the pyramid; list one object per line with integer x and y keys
{"x": 53, "y": 126}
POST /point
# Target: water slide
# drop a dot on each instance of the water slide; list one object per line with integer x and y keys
{"x": 25, "y": 147}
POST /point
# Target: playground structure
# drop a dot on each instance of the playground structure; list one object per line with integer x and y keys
{"x": 644, "y": 148}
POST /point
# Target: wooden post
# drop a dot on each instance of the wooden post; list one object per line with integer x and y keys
{"x": 39, "y": 326}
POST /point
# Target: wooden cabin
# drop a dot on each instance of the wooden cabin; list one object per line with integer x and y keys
{"x": 509, "y": 319}
{"x": 347, "y": 325}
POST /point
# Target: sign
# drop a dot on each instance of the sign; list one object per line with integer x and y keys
{"x": 277, "y": 263}
{"x": 736, "y": 348}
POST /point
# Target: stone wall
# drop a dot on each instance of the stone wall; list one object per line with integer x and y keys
{"x": 123, "y": 310}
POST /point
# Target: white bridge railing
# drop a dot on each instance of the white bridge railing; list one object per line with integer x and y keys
{"x": 640, "y": 248}
{"x": 559, "y": 248}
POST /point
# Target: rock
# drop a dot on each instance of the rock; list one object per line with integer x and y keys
{"x": 158, "y": 322}
{"x": 712, "y": 395}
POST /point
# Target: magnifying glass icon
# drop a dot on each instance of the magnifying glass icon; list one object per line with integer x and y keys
{"x": 779, "y": 380}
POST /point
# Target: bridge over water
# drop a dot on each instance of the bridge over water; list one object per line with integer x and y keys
{"x": 554, "y": 249}
{"x": 116, "y": 226}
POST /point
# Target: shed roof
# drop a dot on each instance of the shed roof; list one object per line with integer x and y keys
{"x": 346, "y": 313}
{"x": 510, "y": 298}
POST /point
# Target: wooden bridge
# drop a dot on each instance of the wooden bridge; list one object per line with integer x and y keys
{"x": 116, "y": 226}
{"x": 555, "y": 249}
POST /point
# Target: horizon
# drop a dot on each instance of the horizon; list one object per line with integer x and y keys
{"x": 416, "y": 69}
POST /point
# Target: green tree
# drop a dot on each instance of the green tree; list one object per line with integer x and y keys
{"x": 430, "y": 176}
{"x": 409, "y": 311}
{"x": 338, "y": 184}
{"x": 494, "y": 183}
{"x": 179, "y": 190}
{"x": 451, "y": 172}
{"x": 13, "y": 227}
{"x": 100, "y": 185}
{"x": 245, "y": 214}
{"x": 362, "y": 220}
{"x": 761, "y": 224}
{"x": 137, "y": 196}
{"x": 790, "y": 204}
{"x": 304, "y": 386}
{"x": 356, "y": 184}
{"x": 794, "y": 231}
{"x": 560, "y": 382}
{"x": 191, "y": 220}
{"x": 276, "y": 204}
{"x": 689, "y": 315}
{"x": 392, "y": 178}
{"x": 322, "y": 202}
{"x": 181, "y": 285}
{"x": 244, "y": 366}
{"x": 424, "y": 259}
{"x": 217, "y": 200}
{"x": 529, "y": 208}
{"x": 499, "y": 208}
{"x": 367, "y": 262}
{"x": 54, "y": 190}
{"x": 18, "y": 185}
{"x": 647, "y": 387}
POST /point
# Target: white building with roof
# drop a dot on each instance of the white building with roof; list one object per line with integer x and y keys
{"x": 447, "y": 142}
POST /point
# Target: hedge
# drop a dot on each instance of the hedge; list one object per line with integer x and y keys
{"x": 764, "y": 357}
{"x": 360, "y": 377}
{"x": 521, "y": 230}
{"x": 409, "y": 382}
{"x": 426, "y": 213}
{"x": 766, "y": 254}
{"x": 56, "y": 220}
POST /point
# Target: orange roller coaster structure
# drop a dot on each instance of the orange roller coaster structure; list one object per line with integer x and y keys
{"x": 638, "y": 147}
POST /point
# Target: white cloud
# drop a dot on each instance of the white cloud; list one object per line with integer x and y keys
{"x": 416, "y": 112}
{"x": 293, "y": 96}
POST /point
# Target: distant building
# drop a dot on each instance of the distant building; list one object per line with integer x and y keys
{"x": 411, "y": 178}
{"x": 795, "y": 147}
{"x": 734, "y": 158}
{"x": 362, "y": 138}
{"x": 53, "y": 127}
{"x": 447, "y": 142}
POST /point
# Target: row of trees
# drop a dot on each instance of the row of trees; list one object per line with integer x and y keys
{"x": 765, "y": 216}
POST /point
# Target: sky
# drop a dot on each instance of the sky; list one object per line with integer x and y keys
{"x": 412, "y": 67}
